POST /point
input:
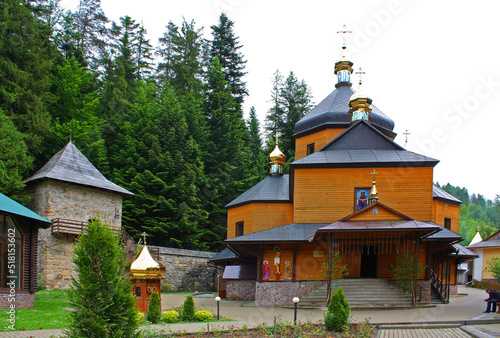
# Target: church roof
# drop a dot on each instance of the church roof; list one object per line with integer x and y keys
{"x": 380, "y": 226}
{"x": 272, "y": 189}
{"x": 295, "y": 232}
{"x": 463, "y": 252}
{"x": 444, "y": 235}
{"x": 333, "y": 112}
{"x": 441, "y": 195}
{"x": 363, "y": 145}
{"x": 12, "y": 207}
{"x": 492, "y": 243}
{"x": 70, "y": 165}
{"x": 226, "y": 254}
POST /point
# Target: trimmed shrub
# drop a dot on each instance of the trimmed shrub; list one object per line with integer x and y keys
{"x": 337, "y": 315}
{"x": 202, "y": 315}
{"x": 170, "y": 316}
{"x": 188, "y": 309}
{"x": 154, "y": 308}
{"x": 100, "y": 293}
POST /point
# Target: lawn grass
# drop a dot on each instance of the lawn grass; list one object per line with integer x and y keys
{"x": 48, "y": 313}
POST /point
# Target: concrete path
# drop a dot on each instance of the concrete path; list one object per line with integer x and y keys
{"x": 463, "y": 317}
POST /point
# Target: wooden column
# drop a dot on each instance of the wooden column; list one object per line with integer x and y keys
{"x": 259, "y": 263}
{"x": 415, "y": 246}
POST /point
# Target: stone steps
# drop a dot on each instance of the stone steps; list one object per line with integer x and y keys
{"x": 363, "y": 293}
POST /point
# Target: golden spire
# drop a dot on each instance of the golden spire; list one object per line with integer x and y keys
{"x": 359, "y": 103}
{"x": 373, "y": 192}
{"x": 146, "y": 266}
{"x": 343, "y": 68}
{"x": 276, "y": 159}
{"x": 406, "y": 134}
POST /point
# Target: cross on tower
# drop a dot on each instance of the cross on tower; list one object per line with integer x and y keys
{"x": 144, "y": 237}
{"x": 361, "y": 73}
{"x": 374, "y": 173}
{"x": 278, "y": 134}
{"x": 344, "y": 31}
{"x": 406, "y": 133}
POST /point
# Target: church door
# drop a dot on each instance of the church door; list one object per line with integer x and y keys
{"x": 369, "y": 261}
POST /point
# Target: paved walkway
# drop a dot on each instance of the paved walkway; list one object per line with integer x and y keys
{"x": 463, "y": 317}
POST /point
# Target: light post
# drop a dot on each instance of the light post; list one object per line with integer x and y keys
{"x": 217, "y": 299}
{"x": 295, "y": 303}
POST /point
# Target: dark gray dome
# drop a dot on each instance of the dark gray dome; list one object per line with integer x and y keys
{"x": 333, "y": 111}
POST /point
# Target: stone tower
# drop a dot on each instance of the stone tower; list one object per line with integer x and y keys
{"x": 69, "y": 191}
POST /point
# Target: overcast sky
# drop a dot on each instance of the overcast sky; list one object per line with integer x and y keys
{"x": 431, "y": 66}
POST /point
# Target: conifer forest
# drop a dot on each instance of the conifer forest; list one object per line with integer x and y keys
{"x": 164, "y": 119}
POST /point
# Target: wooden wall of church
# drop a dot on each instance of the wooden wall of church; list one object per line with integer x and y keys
{"x": 258, "y": 217}
{"x": 442, "y": 210}
{"x": 327, "y": 195}
{"x": 320, "y": 139}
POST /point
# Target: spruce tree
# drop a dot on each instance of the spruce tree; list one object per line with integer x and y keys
{"x": 25, "y": 66}
{"x": 92, "y": 32}
{"x": 226, "y": 47}
{"x": 100, "y": 293}
{"x": 258, "y": 158}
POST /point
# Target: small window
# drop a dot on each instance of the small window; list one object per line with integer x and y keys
{"x": 447, "y": 223}
{"x": 239, "y": 228}
{"x": 310, "y": 149}
{"x": 138, "y": 292}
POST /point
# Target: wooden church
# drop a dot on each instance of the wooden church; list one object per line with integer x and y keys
{"x": 352, "y": 194}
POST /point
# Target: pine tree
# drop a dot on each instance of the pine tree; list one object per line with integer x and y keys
{"x": 144, "y": 55}
{"x": 91, "y": 23}
{"x": 226, "y": 47}
{"x": 100, "y": 293}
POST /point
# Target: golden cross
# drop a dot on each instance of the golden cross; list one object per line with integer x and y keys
{"x": 278, "y": 134}
{"x": 406, "y": 133}
{"x": 361, "y": 73}
{"x": 144, "y": 236}
{"x": 374, "y": 173}
{"x": 344, "y": 31}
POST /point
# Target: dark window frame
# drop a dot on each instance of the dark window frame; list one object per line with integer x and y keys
{"x": 240, "y": 228}
{"x": 311, "y": 148}
{"x": 447, "y": 223}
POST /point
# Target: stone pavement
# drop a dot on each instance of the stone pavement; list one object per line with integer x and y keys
{"x": 463, "y": 317}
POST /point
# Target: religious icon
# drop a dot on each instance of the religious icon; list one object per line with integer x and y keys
{"x": 265, "y": 271}
{"x": 362, "y": 198}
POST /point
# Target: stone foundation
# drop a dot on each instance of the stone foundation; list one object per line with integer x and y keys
{"x": 453, "y": 290}
{"x": 275, "y": 294}
{"x": 240, "y": 289}
{"x": 23, "y": 300}
{"x": 425, "y": 291}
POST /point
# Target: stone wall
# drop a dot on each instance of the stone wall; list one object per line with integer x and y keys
{"x": 271, "y": 294}
{"x": 23, "y": 300}
{"x": 54, "y": 199}
{"x": 189, "y": 270}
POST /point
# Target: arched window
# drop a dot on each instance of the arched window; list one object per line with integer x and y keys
{"x": 11, "y": 246}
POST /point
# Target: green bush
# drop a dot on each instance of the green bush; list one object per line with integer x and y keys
{"x": 154, "y": 308}
{"x": 188, "y": 309}
{"x": 170, "y": 316}
{"x": 165, "y": 288}
{"x": 337, "y": 315}
{"x": 140, "y": 317}
{"x": 202, "y": 315}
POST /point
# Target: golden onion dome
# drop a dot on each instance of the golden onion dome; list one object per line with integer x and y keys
{"x": 276, "y": 155}
{"x": 359, "y": 95}
{"x": 145, "y": 266}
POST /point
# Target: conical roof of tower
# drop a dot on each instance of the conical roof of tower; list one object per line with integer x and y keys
{"x": 70, "y": 165}
{"x": 146, "y": 266}
{"x": 333, "y": 112}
